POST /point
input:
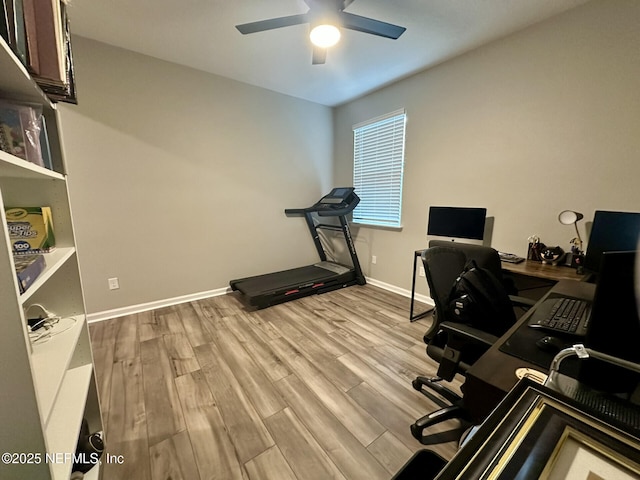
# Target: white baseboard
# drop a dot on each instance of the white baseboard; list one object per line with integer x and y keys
{"x": 144, "y": 307}
{"x": 400, "y": 291}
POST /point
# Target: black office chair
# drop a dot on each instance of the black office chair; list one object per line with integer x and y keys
{"x": 455, "y": 346}
{"x": 485, "y": 257}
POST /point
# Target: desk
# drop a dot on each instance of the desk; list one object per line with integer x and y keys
{"x": 416, "y": 255}
{"x": 534, "y": 279}
{"x": 544, "y": 271}
{"x": 493, "y": 375}
{"x": 548, "y": 274}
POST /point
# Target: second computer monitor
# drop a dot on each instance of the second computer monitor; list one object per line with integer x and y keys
{"x": 611, "y": 232}
{"x": 614, "y": 327}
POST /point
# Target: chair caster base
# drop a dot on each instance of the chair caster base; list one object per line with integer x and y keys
{"x": 416, "y": 431}
{"x": 454, "y": 435}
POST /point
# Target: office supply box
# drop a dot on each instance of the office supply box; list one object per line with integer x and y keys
{"x": 28, "y": 268}
{"x": 30, "y": 229}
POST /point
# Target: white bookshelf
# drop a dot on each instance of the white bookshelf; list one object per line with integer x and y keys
{"x": 48, "y": 387}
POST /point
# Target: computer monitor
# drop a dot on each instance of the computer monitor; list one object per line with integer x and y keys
{"x": 611, "y": 232}
{"x": 457, "y": 222}
{"x": 614, "y": 327}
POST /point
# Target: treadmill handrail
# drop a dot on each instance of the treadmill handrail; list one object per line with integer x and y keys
{"x": 337, "y": 212}
{"x": 295, "y": 211}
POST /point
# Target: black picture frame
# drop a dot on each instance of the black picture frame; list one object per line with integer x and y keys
{"x": 532, "y": 434}
{"x": 533, "y": 448}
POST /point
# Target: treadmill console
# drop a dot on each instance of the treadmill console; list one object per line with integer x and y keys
{"x": 338, "y": 202}
{"x": 337, "y": 196}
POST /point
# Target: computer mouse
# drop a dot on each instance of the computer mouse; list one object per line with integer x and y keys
{"x": 550, "y": 344}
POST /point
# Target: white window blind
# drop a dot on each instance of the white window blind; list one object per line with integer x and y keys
{"x": 378, "y": 166}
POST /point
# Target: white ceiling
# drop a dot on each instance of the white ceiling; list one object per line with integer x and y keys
{"x": 201, "y": 34}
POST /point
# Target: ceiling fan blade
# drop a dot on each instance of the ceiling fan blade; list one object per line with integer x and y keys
{"x": 319, "y": 55}
{"x": 369, "y": 25}
{"x": 272, "y": 23}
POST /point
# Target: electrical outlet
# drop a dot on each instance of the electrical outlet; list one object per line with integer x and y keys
{"x": 421, "y": 271}
{"x": 114, "y": 284}
{"x": 374, "y": 259}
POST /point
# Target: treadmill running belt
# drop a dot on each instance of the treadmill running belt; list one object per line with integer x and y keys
{"x": 286, "y": 279}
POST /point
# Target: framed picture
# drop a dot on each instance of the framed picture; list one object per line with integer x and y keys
{"x": 554, "y": 441}
{"x": 536, "y": 434}
{"x": 577, "y": 456}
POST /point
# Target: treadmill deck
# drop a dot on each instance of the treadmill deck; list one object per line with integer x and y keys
{"x": 294, "y": 278}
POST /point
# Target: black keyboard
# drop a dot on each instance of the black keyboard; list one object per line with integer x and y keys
{"x": 567, "y": 315}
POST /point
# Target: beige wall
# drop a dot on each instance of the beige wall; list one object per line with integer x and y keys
{"x": 545, "y": 120}
{"x": 179, "y": 179}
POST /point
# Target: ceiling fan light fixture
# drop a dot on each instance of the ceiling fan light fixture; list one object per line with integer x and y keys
{"x": 325, "y": 36}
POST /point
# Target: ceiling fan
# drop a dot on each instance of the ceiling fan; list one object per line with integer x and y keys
{"x": 330, "y": 15}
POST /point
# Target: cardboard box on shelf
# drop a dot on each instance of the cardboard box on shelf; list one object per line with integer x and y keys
{"x": 28, "y": 268}
{"x": 30, "y": 230}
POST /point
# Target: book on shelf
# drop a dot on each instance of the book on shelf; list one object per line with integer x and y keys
{"x": 31, "y": 32}
{"x": 16, "y": 34}
{"x": 37, "y": 31}
{"x": 4, "y": 21}
{"x": 55, "y": 74}
{"x": 49, "y": 40}
{"x": 28, "y": 268}
{"x": 20, "y": 127}
{"x": 5, "y": 140}
{"x": 45, "y": 147}
{"x": 70, "y": 95}
{"x": 63, "y": 91}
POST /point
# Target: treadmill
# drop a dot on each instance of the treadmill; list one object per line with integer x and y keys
{"x": 273, "y": 288}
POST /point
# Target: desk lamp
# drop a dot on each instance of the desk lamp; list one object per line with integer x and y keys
{"x": 569, "y": 217}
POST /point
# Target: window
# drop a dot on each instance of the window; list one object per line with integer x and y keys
{"x": 378, "y": 165}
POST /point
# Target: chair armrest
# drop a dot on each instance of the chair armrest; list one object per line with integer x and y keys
{"x": 431, "y": 332}
{"x": 459, "y": 338}
{"x": 468, "y": 333}
{"x": 521, "y": 301}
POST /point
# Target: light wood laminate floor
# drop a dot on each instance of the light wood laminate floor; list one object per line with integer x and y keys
{"x": 317, "y": 388}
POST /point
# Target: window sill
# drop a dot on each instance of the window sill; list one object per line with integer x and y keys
{"x": 376, "y": 226}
